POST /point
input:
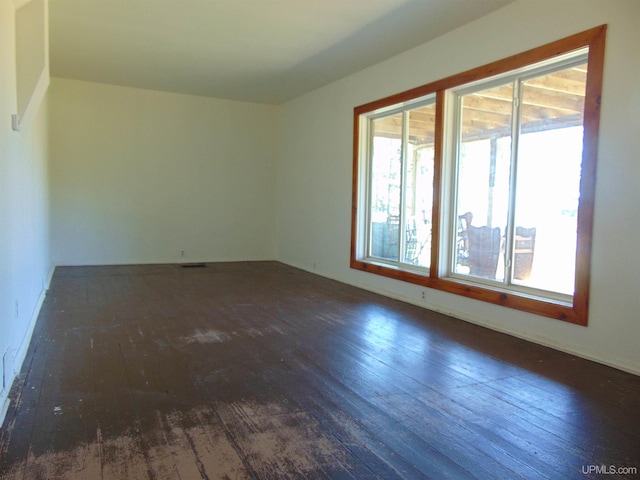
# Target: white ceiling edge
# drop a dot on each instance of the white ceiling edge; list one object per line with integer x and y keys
{"x": 258, "y": 60}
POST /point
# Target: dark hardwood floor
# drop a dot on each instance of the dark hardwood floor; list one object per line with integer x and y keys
{"x": 260, "y": 370}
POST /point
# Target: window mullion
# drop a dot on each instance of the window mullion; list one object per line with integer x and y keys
{"x": 403, "y": 192}
{"x": 368, "y": 174}
{"x": 511, "y": 214}
{"x": 452, "y": 198}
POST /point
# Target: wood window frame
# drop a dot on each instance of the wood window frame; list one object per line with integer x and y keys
{"x": 574, "y": 312}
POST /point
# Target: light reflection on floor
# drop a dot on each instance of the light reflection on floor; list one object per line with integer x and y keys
{"x": 392, "y": 346}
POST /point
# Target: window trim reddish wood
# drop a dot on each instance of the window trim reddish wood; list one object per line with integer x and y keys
{"x": 577, "y": 312}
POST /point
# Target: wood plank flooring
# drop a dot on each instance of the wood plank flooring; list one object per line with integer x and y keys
{"x": 259, "y": 370}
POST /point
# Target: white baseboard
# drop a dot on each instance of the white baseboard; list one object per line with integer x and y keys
{"x": 4, "y": 398}
{"x": 575, "y": 350}
{"x": 22, "y": 348}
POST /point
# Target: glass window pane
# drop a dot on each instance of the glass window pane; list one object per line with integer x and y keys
{"x": 419, "y": 186}
{"x": 386, "y": 177}
{"x": 482, "y": 194}
{"x": 548, "y": 184}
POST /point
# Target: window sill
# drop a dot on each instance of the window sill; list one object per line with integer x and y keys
{"x": 547, "y": 307}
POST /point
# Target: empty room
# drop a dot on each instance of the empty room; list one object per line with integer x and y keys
{"x": 364, "y": 239}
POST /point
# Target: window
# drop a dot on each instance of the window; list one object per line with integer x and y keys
{"x": 401, "y": 185}
{"x": 482, "y": 184}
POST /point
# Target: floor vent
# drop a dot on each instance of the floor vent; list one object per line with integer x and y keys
{"x": 193, "y": 265}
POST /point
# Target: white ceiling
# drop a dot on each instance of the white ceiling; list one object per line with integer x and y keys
{"x": 266, "y": 51}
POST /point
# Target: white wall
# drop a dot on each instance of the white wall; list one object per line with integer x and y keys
{"x": 138, "y": 176}
{"x": 315, "y": 160}
{"x": 31, "y": 53}
{"x": 24, "y": 256}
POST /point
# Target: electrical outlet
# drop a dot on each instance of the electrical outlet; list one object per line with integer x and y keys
{"x": 424, "y": 295}
{"x": 4, "y": 369}
{"x": 182, "y": 253}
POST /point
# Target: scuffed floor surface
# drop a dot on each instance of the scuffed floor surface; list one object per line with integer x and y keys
{"x": 267, "y": 442}
{"x": 258, "y": 370}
